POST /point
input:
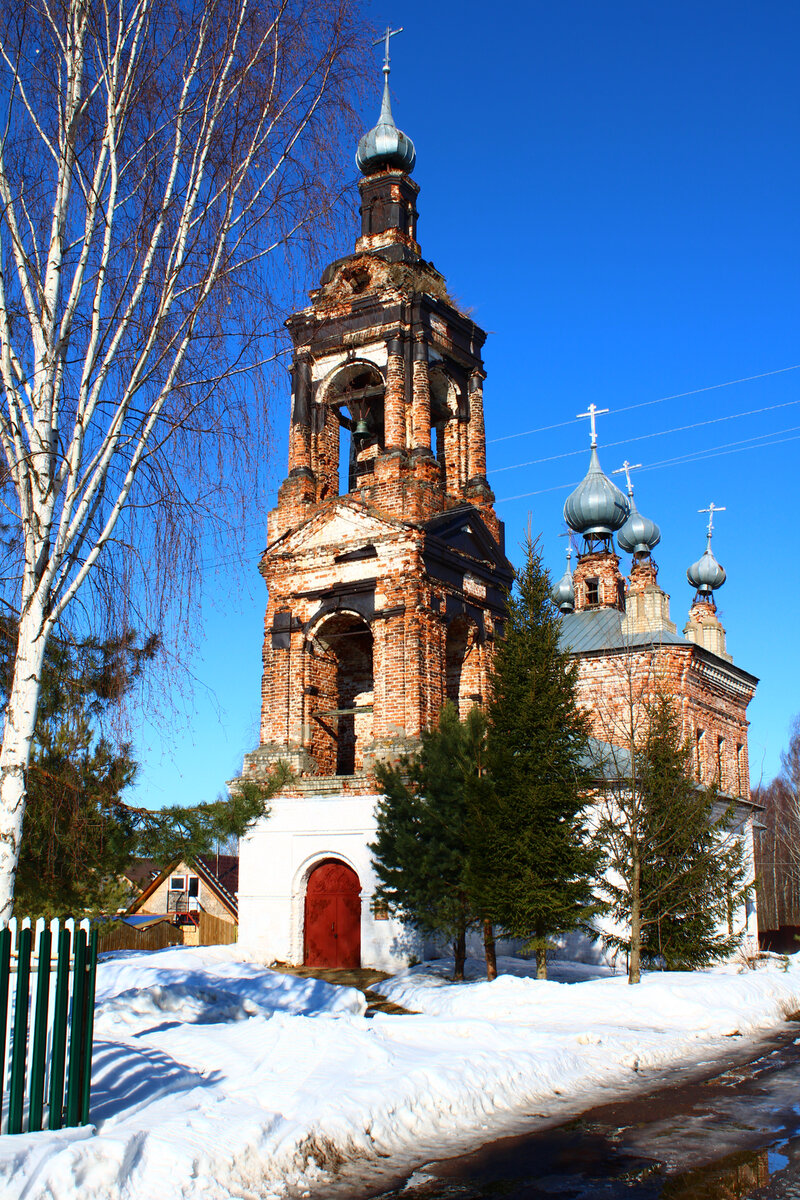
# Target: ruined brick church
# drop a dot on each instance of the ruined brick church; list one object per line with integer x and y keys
{"x": 386, "y": 575}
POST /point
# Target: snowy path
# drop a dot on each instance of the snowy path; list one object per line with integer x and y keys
{"x": 216, "y": 1079}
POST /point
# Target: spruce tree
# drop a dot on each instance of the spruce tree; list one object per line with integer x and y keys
{"x": 425, "y": 830}
{"x": 691, "y": 866}
{"x": 534, "y": 870}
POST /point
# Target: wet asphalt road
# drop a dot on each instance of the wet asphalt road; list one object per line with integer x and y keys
{"x": 728, "y": 1130}
{"x": 728, "y": 1137}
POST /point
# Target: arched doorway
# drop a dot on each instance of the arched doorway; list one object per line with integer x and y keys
{"x": 332, "y": 928}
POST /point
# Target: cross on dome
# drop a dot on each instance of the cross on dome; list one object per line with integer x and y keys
{"x": 712, "y": 508}
{"x": 593, "y": 411}
{"x": 627, "y": 468}
{"x": 385, "y": 39}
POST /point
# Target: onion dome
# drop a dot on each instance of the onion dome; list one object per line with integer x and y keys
{"x": 563, "y": 594}
{"x": 706, "y": 575}
{"x": 385, "y": 145}
{"x": 597, "y": 508}
{"x": 639, "y": 535}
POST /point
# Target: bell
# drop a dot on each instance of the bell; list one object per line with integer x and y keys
{"x": 362, "y": 428}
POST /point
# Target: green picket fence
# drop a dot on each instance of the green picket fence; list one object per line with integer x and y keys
{"x": 47, "y": 986}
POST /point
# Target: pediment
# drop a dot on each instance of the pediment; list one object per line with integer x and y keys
{"x": 462, "y": 531}
{"x": 339, "y": 529}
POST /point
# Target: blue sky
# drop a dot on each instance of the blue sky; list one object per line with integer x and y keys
{"x": 613, "y": 190}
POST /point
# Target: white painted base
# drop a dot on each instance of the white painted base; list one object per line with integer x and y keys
{"x": 275, "y": 861}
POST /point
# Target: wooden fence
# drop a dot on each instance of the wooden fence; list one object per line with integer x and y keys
{"x": 46, "y": 1042}
{"x": 215, "y": 931}
{"x": 131, "y": 937}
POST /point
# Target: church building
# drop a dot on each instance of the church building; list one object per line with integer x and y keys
{"x": 386, "y": 575}
{"x": 628, "y": 649}
{"x": 384, "y": 565}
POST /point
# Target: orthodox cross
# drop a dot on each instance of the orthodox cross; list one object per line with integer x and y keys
{"x": 385, "y": 39}
{"x": 593, "y": 412}
{"x": 627, "y": 468}
{"x": 712, "y": 508}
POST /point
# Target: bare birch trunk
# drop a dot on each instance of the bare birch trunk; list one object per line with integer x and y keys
{"x": 20, "y": 720}
{"x": 153, "y": 157}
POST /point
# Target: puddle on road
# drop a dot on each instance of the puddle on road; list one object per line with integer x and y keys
{"x": 735, "y": 1136}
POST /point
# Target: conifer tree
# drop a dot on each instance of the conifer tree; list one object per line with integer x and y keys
{"x": 425, "y": 819}
{"x": 79, "y": 835}
{"x": 678, "y": 870}
{"x": 536, "y": 864}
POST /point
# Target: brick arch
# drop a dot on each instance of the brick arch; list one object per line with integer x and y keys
{"x": 464, "y": 674}
{"x": 340, "y": 647}
{"x": 343, "y": 456}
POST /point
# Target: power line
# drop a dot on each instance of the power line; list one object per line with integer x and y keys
{"x": 647, "y": 403}
{"x": 754, "y": 443}
{"x": 643, "y": 437}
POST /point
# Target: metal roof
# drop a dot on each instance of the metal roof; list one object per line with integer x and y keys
{"x": 601, "y": 629}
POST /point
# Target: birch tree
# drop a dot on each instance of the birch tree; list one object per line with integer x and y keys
{"x": 158, "y": 159}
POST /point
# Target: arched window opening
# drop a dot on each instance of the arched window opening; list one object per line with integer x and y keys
{"x": 442, "y": 397}
{"x": 356, "y": 395}
{"x": 462, "y": 665}
{"x": 444, "y": 418}
{"x": 341, "y": 695}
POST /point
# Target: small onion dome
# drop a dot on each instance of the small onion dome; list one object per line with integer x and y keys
{"x": 706, "y": 575}
{"x": 597, "y": 507}
{"x": 563, "y": 594}
{"x": 639, "y": 535}
{"x": 385, "y": 145}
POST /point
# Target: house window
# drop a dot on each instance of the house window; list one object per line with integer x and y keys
{"x": 592, "y": 591}
{"x": 177, "y": 883}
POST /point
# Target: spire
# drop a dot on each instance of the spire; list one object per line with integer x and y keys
{"x": 385, "y": 145}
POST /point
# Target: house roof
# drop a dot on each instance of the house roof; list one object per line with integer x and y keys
{"x": 220, "y": 872}
{"x": 142, "y": 872}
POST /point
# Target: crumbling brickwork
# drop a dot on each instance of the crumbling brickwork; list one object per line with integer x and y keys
{"x": 384, "y": 565}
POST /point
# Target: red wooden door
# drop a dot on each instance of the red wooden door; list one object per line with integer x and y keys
{"x": 333, "y": 916}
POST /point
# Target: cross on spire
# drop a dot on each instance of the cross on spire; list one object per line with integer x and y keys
{"x": 712, "y": 508}
{"x": 593, "y": 412}
{"x": 627, "y": 468}
{"x": 385, "y": 40}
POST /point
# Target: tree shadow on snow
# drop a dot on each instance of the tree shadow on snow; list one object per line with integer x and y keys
{"x": 126, "y": 1077}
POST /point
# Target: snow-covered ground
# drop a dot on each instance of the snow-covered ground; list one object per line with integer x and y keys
{"x": 214, "y": 1078}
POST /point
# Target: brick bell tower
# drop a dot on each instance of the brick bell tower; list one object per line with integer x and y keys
{"x": 384, "y": 563}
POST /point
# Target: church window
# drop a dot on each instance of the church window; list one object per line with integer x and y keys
{"x": 720, "y": 758}
{"x": 592, "y": 591}
{"x": 740, "y": 788}
{"x": 380, "y": 910}
{"x": 700, "y": 752}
